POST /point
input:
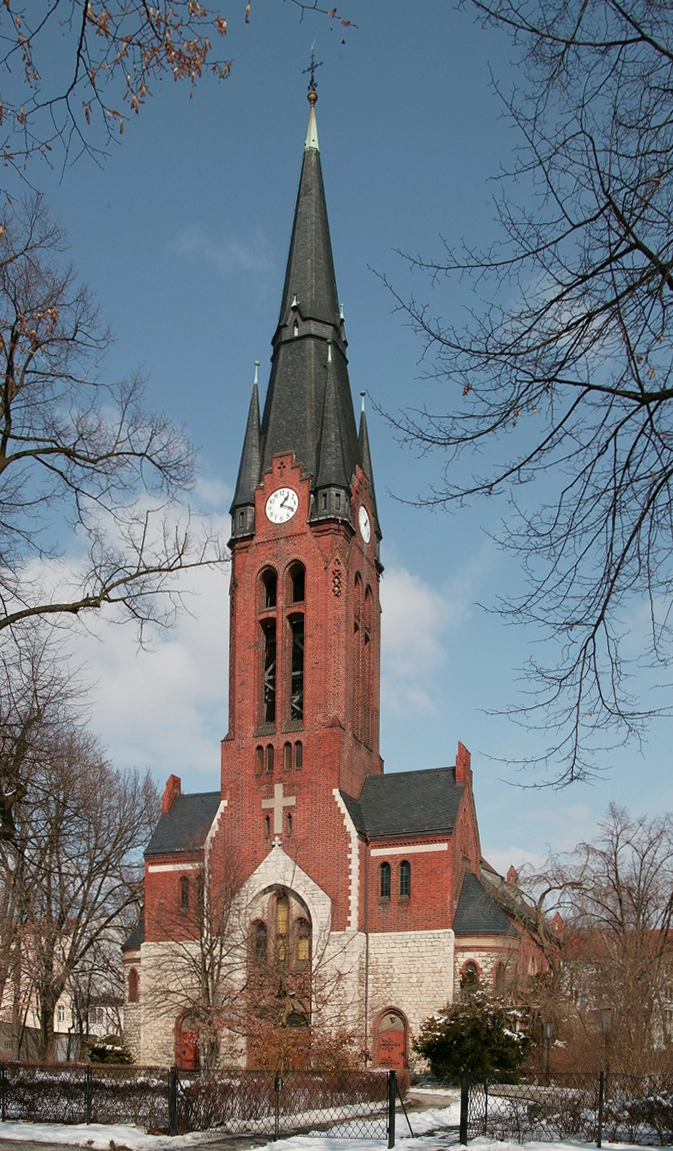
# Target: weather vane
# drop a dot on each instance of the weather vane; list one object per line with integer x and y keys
{"x": 311, "y": 68}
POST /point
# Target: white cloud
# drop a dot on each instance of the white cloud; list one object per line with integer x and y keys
{"x": 165, "y": 709}
{"x": 228, "y": 254}
{"x": 415, "y": 617}
{"x": 502, "y": 860}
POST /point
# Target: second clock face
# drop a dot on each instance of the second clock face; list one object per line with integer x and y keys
{"x": 281, "y": 505}
{"x": 365, "y": 525}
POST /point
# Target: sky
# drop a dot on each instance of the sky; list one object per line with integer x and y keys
{"x": 182, "y": 234}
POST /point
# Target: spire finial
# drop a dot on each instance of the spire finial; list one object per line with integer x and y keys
{"x": 363, "y": 394}
{"x": 312, "y": 93}
{"x": 256, "y": 367}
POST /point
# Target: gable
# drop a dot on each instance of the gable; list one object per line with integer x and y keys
{"x": 186, "y": 826}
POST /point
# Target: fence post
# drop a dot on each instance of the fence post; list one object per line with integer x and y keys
{"x": 464, "y": 1103}
{"x": 3, "y": 1090}
{"x": 601, "y": 1096}
{"x": 87, "y": 1094}
{"x": 486, "y": 1107}
{"x": 392, "y": 1091}
{"x": 173, "y": 1101}
{"x": 277, "y": 1088}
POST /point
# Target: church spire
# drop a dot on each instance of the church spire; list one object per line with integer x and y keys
{"x": 366, "y": 460}
{"x": 243, "y": 506}
{"x": 308, "y": 408}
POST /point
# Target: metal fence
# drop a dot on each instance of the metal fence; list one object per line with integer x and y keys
{"x": 357, "y": 1105}
{"x": 592, "y": 1108}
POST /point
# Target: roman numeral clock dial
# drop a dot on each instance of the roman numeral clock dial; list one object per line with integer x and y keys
{"x": 281, "y": 505}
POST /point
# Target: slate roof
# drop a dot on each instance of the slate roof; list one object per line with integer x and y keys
{"x": 187, "y": 824}
{"x": 406, "y": 803}
{"x": 478, "y": 912}
{"x": 136, "y": 937}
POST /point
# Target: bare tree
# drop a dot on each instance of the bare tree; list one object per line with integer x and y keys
{"x": 616, "y": 961}
{"x": 73, "y": 66}
{"x": 562, "y": 372}
{"x": 79, "y": 458}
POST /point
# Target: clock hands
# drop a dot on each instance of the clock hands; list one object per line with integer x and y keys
{"x": 284, "y": 502}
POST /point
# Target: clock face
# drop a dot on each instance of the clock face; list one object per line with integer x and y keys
{"x": 365, "y": 525}
{"x": 281, "y": 505}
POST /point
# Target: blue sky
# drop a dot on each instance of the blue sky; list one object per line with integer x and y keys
{"x": 182, "y": 235}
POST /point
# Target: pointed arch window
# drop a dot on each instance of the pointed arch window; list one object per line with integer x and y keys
{"x": 259, "y": 760}
{"x": 297, "y": 588}
{"x": 297, "y": 668}
{"x": 367, "y": 668}
{"x": 269, "y": 671}
{"x": 287, "y": 757}
{"x": 133, "y": 986}
{"x": 303, "y": 941}
{"x": 405, "y": 879}
{"x": 384, "y": 881}
{"x": 282, "y": 925}
{"x": 298, "y": 755}
{"x": 259, "y": 940}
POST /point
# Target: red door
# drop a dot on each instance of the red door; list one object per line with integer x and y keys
{"x": 392, "y": 1046}
{"x": 187, "y": 1046}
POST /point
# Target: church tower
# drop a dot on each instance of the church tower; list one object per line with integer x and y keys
{"x": 305, "y": 631}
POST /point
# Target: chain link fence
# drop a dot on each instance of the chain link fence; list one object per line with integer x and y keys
{"x": 591, "y": 1108}
{"x": 359, "y": 1105}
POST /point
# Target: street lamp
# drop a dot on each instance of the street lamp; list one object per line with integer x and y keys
{"x": 548, "y": 1032}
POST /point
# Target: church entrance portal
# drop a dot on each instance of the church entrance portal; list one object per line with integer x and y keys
{"x": 186, "y": 1045}
{"x": 391, "y": 1041}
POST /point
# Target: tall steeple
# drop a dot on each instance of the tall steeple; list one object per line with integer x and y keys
{"x": 308, "y": 408}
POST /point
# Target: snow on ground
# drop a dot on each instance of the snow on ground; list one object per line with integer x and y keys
{"x": 119, "y": 1137}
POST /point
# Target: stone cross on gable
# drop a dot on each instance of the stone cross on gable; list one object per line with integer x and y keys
{"x": 278, "y": 803}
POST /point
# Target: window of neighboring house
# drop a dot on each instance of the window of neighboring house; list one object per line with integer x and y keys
{"x": 96, "y": 1015}
{"x": 60, "y": 1013}
{"x": 385, "y": 881}
{"x": 405, "y": 879}
{"x": 184, "y": 893}
{"x": 9, "y": 1043}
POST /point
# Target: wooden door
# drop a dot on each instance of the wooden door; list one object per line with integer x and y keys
{"x": 187, "y": 1046}
{"x": 392, "y": 1042}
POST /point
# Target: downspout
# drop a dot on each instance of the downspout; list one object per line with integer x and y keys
{"x": 366, "y": 925}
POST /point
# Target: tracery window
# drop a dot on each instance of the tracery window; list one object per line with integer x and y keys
{"x": 259, "y": 941}
{"x": 303, "y": 940}
{"x": 405, "y": 878}
{"x": 385, "y": 881}
{"x": 282, "y": 924}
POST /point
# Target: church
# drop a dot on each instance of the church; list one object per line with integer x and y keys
{"x": 312, "y": 894}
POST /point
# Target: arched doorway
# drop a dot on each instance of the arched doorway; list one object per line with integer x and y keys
{"x": 186, "y": 1044}
{"x": 391, "y": 1040}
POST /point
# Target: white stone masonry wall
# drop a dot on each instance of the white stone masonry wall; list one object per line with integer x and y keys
{"x": 410, "y": 970}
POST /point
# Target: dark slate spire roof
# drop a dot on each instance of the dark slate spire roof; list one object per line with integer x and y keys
{"x": 308, "y": 408}
{"x": 366, "y": 460}
{"x": 406, "y": 803}
{"x": 478, "y": 911}
{"x": 186, "y": 825}
{"x": 249, "y": 469}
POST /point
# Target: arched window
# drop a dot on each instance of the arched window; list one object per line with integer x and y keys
{"x": 267, "y": 827}
{"x": 259, "y": 760}
{"x": 499, "y": 978}
{"x": 298, "y": 755}
{"x": 269, "y": 588}
{"x": 269, "y": 759}
{"x": 405, "y": 879}
{"x": 469, "y": 976}
{"x": 287, "y": 757}
{"x": 297, "y": 588}
{"x": 297, "y": 668}
{"x": 259, "y": 941}
{"x": 357, "y": 658}
{"x": 385, "y": 881}
{"x": 269, "y": 671}
{"x": 184, "y": 893}
{"x": 133, "y": 986}
{"x": 282, "y": 925}
{"x": 367, "y": 669}
{"x": 303, "y": 941}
